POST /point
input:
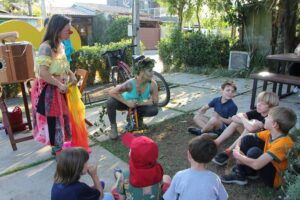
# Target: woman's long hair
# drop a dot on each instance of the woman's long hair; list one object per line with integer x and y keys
{"x": 55, "y": 26}
{"x": 70, "y": 164}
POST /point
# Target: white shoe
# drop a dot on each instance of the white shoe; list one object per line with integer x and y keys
{"x": 296, "y": 89}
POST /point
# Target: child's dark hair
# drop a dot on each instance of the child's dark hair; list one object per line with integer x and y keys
{"x": 229, "y": 83}
{"x": 286, "y": 118}
{"x": 202, "y": 149}
{"x": 70, "y": 163}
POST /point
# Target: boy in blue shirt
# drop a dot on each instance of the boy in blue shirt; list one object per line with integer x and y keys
{"x": 224, "y": 109}
{"x": 197, "y": 182}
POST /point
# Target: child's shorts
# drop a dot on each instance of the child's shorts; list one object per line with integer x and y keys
{"x": 220, "y": 131}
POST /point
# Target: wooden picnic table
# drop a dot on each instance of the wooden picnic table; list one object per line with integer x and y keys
{"x": 283, "y": 60}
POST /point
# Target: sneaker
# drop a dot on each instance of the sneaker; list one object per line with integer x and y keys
{"x": 194, "y": 131}
{"x": 235, "y": 178}
{"x": 221, "y": 159}
{"x": 253, "y": 176}
{"x": 114, "y": 132}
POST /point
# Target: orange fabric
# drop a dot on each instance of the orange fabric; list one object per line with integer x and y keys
{"x": 278, "y": 149}
{"x": 77, "y": 113}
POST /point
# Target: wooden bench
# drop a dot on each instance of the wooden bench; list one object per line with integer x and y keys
{"x": 274, "y": 78}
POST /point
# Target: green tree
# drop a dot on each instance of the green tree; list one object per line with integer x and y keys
{"x": 177, "y": 7}
{"x": 117, "y": 30}
{"x": 100, "y": 25}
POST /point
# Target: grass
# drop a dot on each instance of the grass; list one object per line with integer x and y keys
{"x": 172, "y": 138}
{"x": 22, "y": 167}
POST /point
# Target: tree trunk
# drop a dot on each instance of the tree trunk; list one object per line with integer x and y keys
{"x": 29, "y": 3}
{"x": 180, "y": 17}
{"x": 198, "y": 17}
{"x": 285, "y": 26}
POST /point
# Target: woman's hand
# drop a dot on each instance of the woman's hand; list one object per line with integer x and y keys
{"x": 73, "y": 78}
{"x": 63, "y": 88}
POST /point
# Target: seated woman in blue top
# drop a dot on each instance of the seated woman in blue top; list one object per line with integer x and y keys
{"x": 140, "y": 92}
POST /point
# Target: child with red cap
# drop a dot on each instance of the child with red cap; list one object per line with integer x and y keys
{"x": 145, "y": 176}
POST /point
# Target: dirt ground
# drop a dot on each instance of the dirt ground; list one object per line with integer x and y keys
{"x": 172, "y": 138}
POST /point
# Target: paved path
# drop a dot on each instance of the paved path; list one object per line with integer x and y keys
{"x": 35, "y": 182}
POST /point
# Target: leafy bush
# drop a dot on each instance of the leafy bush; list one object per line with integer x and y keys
{"x": 11, "y": 90}
{"x": 193, "y": 49}
{"x": 292, "y": 176}
{"x": 117, "y": 30}
{"x": 101, "y": 22}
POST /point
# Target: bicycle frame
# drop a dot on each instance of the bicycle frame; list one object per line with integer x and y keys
{"x": 125, "y": 67}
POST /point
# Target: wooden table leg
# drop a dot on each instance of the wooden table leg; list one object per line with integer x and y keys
{"x": 26, "y": 105}
{"x": 7, "y": 124}
{"x": 254, "y": 87}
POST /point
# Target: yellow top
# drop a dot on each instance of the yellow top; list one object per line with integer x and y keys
{"x": 56, "y": 62}
{"x": 56, "y": 66}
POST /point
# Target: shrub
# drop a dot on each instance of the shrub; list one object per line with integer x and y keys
{"x": 292, "y": 177}
{"x": 191, "y": 49}
{"x": 117, "y": 30}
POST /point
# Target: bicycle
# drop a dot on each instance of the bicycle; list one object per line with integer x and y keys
{"x": 120, "y": 72}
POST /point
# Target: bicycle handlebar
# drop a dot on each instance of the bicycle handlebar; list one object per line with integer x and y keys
{"x": 121, "y": 50}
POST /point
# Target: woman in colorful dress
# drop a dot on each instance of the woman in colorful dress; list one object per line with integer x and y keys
{"x": 50, "y": 113}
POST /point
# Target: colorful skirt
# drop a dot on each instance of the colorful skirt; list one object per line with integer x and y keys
{"x": 51, "y": 121}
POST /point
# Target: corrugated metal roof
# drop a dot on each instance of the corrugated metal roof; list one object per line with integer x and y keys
{"x": 103, "y": 8}
{"x": 70, "y": 11}
{"x": 91, "y": 9}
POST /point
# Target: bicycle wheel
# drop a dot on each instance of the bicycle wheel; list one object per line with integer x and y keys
{"x": 118, "y": 76}
{"x": 163, "y": 89}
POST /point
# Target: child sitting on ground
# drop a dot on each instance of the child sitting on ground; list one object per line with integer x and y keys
{"x": 71, "y": 164}
{"x": 264, "y": 154}
{"x": 224, "y": 109}
{"x": 249, "y": 122}
{"x": 145, "y": 175}
{"x": 197, "y": 182}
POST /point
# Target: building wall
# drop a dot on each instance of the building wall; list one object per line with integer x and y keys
{"x": 258, "y": 30}
{"x": 150, "y": 37}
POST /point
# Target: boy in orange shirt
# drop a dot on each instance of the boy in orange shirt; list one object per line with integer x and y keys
{"x": 265, "y": 153}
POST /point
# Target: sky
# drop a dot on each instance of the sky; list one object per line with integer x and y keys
{"x": 68, "y": 3}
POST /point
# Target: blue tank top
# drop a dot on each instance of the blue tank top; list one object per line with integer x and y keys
{"x": 133, "y": 95}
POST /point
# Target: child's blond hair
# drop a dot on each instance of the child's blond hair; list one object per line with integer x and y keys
{"x": 285, "y": 118}
{"x": 269, "y": 98}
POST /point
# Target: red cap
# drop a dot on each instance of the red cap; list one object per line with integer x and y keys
{"x": 143, "y": 165}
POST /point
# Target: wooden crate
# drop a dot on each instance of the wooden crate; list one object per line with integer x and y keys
{"x": 16, "y": 62}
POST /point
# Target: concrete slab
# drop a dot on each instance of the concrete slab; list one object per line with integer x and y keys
{"x": 36, "y": 182}
{"x": 243, "y": 85}
{"x": 186, "y": 98}
{"x": 185, "y": 78}
{"x": 163, "y": 114}
{"x": 27, "y": 153}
